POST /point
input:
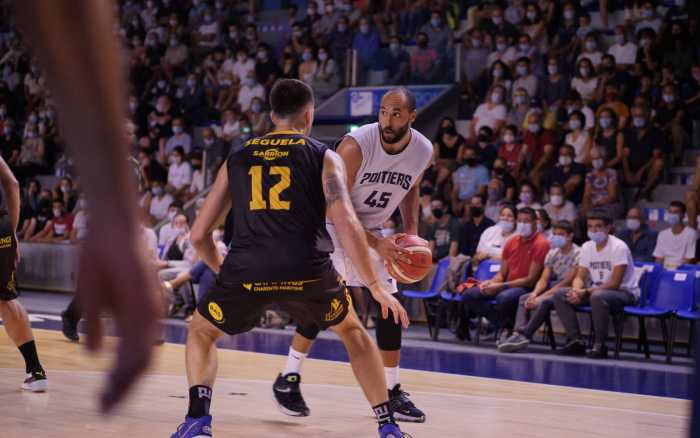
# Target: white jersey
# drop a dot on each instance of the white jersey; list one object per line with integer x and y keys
{"x": 383, "y": 179}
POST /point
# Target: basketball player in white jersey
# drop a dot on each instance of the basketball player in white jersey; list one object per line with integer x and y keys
{"x": 385, "y": 162}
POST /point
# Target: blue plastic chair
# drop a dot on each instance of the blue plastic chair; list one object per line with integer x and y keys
{"x": 691, "y": 315}
{"x": 674, "y": 291}
{"x": 430, "y": 298}
{"x": 486, "y": 270}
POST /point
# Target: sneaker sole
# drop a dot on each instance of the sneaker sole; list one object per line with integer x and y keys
{"x": 408, "y": 419}
{"x": 39, "y": 386}
{"x": 288, "y": 412}
{"x": 513, "y": 347}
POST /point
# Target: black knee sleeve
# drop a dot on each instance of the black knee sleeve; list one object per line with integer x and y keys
{"x": 388, "y": 332}
{"x": 309, "y": 331}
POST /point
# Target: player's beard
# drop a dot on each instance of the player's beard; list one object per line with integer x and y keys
{"x": 393, "y": 137}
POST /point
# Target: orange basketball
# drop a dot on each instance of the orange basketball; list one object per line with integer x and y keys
{"x": 421, "y": 260}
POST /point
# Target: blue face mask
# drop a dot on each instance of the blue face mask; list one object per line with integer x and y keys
{"x": 597, "y": 236}
{"x": 557, "y": 241}
{"x": 673, "y": 219}
{"x": 639, "y": 122}
{"x": 524, "y": 229}
{"x": 506, "y": 226}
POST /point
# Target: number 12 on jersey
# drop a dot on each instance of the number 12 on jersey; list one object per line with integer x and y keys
{"x": 257, "y": 201}
{"x": 376, "y": 200}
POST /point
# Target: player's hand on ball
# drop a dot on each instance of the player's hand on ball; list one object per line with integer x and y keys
{"x": 387, "y": 302}
{"x": 390, "y": 251}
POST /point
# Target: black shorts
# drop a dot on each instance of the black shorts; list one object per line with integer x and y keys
{"x": 235, "y": 307}
{"x": 8, "y": 253}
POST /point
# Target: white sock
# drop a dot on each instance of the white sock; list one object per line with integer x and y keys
{"x": 392, "y": 376}
{"x": 294, "y": 361}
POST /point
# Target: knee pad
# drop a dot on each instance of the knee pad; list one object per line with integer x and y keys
{"x": 388, "y": 333}
{"x": 309, "y": 331}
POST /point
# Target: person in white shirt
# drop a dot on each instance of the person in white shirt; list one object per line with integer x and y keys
{"x": 168, "y": 232}
{"x": 558, "y": 208}
{"x": 197, "y": 184}
{"x": 160, "y": 202}
{"x": 528, "y": 197}
{"x": 675, "y": 246}
{"x": 625, "y": 52}
{"x": 590, "y": 51}
{"x": 179, "y": 173}
{"x": 494, "y": 238}
{"x": 605, "y": 280}
{"x": 80, "y": 222}
{"x": 492, "y": 113}
{"x": 179, "y": 139}
{"x": 243, "y": 66}
{"x": 208, "y": 32}
{"x": 250, "y": 88}
{"x": 503, "y": 52}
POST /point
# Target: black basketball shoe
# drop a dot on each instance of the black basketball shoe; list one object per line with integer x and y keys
{"x": 403, "y": 407}
{"x": 69, "y": 327}
{"x": 288, "y": 395}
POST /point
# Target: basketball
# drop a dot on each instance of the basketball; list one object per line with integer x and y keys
{"x": 421, "y": 260}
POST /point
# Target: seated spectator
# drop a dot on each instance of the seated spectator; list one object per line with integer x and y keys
{"x": 492, "y": 113}
{"x": 602, "y": 190}
{"x": 575, "y": 103}
{"x": 671, "y": 117}
{"x": 675, "y": 246}
{"x": 36, "y": 221}
{"x": 10, "y": 142}
{"x": 444, "y": 233}
{"x": 540, "y": 148}
{"x": 326, "y": 78}
{"x": 605, "y": 280}
{"x": 259, "y": 119}
{"x": 65, "y": 192}
{"x": 179, "y": 139}
{"x": 500, "y": 173}
{"x": 513, "y": 152}
{"x": 528, "y": 197}
{"x": 544, "y": 223}
{"x": 623, "y": 50}
{"x": 80, "y": 222}
{"x": 643, "y": 158}
{"x": 58, "y": 228}
{"x": 650, "y": 19}
{"x": 609, "y": 138}
{"x": 175, "y": 59}
{"x": 367, "y": 44}
{"x": 500, "y": 74}
{"x": 553, "y": 87}
{"x": 179, "y": 173}
{"x": 474, "y": 227}
{"x": 230, "y": 127}
{"x": 32, "y": 156}
{"x": 585, "y": 80}
{"x": 468, "y": 180}
{"x": 485, "y": 147}
{"x": 474, "y": 57}
{"x": 250, "y": 89}
{"x": 521, "y": 267}
{"x": 558, "y": 207}
{"x": 560, "y": 267}
{"x": 495, "y": 199}
{"x": 613, "y": 102}
{"x": 639, "y": 238}
{"x": 503, "y": 52}
{"x": 590, "y": 51}
{"x": 569, "y": 174}
{"x": 520, "y": 107}
{"x": 151, "y": 170}
{"x": 308, "y": 65}
{"x": 437, "y": 33}
{"x": 498, "y": 25}
{"x": 396, "y": 62}
{"x": 159, "y": 203}
{"x": 494, "y": 238}
{"x": 446, "y": 148}
{"x": 425, "y": 62}
{"x": 565, "y": 42}
{"x": 535, "y": 26}
{"x": 579, "y": 138}
{"x": 525, "y": 78}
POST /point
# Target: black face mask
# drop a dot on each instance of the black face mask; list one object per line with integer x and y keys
{"x": 426, "y": 191}
{"x": 438, "y": 213}
{"x": 422, "y": 44}
{"x": 471, "y": 162}
{"x": 499, "y": 170}
{"x": 483, "y": 138}
{"x": 476, "y": 211}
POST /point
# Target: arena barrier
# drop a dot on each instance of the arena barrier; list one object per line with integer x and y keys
{"x": 48, "y": 266}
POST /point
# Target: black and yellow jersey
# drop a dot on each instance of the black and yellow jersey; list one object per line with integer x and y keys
{"x": 278, "y": 208}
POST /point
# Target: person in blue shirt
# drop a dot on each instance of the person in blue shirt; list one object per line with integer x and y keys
{"x": 468, "y": 180}
{"x": 640, "y": 239}
{"x": 367, "y": 44}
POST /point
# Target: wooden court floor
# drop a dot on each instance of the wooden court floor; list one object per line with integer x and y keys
{"x": 456, "y": 406}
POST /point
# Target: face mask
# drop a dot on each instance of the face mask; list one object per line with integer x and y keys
{"x": 161, "y": 84}
{"x": 173, "y": 43}
{"x": 497, "y": 72}
{"x": 552, "y": 69}
{"x": 633, "y": 224}
{"x": 501, "y": 47}
{"x": 82, "y": 204}
{"x": 177, "y": 129}
{"x": 533, "y": 128}
{"x": 422, "y": 44}
{"x": 521, "y": 70}
{"x": 524, "y": 47}
{"x": 342, "y": 28}
{"x": 598, "y": 164}
{"x": 669, "y": 98}
{"x": 524, "y": 229}
{"x": 505, "y": 226}
{"x": 525, "y": 197}
{"x": 249, "y": 82}
{"x": 575, "y": 124}
{"x": 605, "y": 122}
{"x": 483, "y": 138}
{"x": 438, "y": 213}
{"x": 620, "y": 39}
{"x": 496, "y": 98}
{"x": 639, "y": 122}
{"x": 7, "y": 130}
{"x": 329, "y": 9}
{"x": 673, "y": 219}
{"x": 157, "y": 191}
{"x": 256, "y": 107}
{"x": 322, "y": 56}
{"x": 497, "y": 20}
{"x": 306, "y": 56}
{"x": 57, "y": 212}
{"x": 556, "y": 242}
{"x": 569, "y": 14}
{"x": 597, "y": 236}
{"x": 208, "y": 141}
{"x": 3, "y": 112}
{"x": 499, "y": 171}
{"x": 311, "y": 12}
{"x": 590, "y": 45}
{"x": 509, "y": 138}
{"x": 557, "y": 200}
{"x": 364, "y": 29}
{"x": 476, "y": 43}
{"x": 519, "y": 100}
{"x": 647, "y": 13}
{"x": 646, "y": 43}
{"x": 494, "y": 195}
{"x": 476, "y": 211}
{"x": 32, "y": 119}
{"x": 435, "y": 22}
{"x": 171, "y": 215}
{"x": 394, "y": 47}
{"x": 531, "y": 16}
{"x": 65, "y": 189}
{"x": 584, "y": 71}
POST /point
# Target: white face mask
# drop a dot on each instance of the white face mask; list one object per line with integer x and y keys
{"x": 557, "y": 200}
{"x": 57, "y": 212}
{"x": 524, "y": 229}
{"x": 506, "y": 226}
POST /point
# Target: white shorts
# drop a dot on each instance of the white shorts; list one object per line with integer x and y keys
{"x": 346, "y": 269}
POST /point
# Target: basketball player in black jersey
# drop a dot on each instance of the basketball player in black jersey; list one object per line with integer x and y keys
{"x": 280, "y": 188}
{"x": 13, "y": 315}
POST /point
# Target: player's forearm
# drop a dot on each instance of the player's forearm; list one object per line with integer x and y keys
{"x": 86, "y": 88}
{"x": 11, "y": 189}
{"x": 353, "y": 238}
{"x": 409, "y": 208}
{"x": 206, "y": 250}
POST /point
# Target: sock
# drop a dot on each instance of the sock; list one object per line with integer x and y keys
{"x": 31, "y": 357}
{"x": 383, "y": 414}
{"x": 392, "y": 376}
{"x": 294, "y": 361}
{"x": 200, "y": 399}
